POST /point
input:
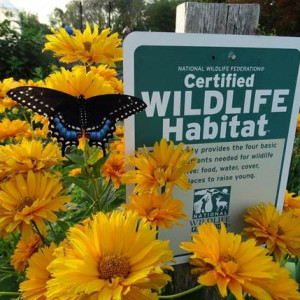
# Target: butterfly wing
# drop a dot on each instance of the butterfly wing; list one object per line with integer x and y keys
{"x": 61, "y": 109}
{"x": 104, "y": 111}
{"x": 48, "y": 102}
{"x": 66, "y": 136}
{"x": 101, "y": 113}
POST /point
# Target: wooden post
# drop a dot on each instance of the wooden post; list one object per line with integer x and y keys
{"x": 214, "y": 18}
{"x": 193, "y": 17}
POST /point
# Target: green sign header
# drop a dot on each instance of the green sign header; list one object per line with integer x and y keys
{"x": 205, "y": 94}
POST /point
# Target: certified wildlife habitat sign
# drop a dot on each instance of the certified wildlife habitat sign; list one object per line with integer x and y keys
{"x": 234, "y": 100}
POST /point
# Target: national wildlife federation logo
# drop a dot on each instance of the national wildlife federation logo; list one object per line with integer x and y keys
{"x": 211, "y": 205}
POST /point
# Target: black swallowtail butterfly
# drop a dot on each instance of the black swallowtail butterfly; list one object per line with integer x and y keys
{"x": 71, "y": 117}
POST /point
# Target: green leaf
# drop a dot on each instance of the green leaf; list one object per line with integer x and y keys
{"x": 76, "y": 158}
{"x": 81, "y": 184}
{"x": 230, "y": 297}
{"x": 9, "y": 283}
{"x": 297, "y": 271}
{"x": 94, "y": 157}
{"x": 108, "y": 195}
{"x": 63, "y": 225}
{"x": 97, "y": 166}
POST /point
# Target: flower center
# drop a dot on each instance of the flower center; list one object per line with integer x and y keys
{"x": 87, "y": 46}
{"x": 227, "y": 258}
{"x": 117, "y": 168}
{"x": 27, "y": 201}
{"x": 113, "y": 266}
{"x": 280, "y": 231}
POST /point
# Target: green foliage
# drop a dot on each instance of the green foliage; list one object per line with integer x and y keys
{"x": 293, "y": 185}
{"x": 91, "y": 11}
{"x": 9, "y": 279}
{"x": 21, "y": 47}
{"x": 96, "y": 194}
{"x": 288, "y": 21}
{"x": 161, "y": 15}
{"x": 135, "y": 14}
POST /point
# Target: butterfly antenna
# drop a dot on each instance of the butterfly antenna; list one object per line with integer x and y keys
{"x": 88, "y": 86}
{"x": 79, "y": 93}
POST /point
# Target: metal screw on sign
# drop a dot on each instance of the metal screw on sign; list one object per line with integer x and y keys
{"x": 231, "y": 56}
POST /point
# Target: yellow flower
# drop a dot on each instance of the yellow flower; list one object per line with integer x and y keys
{"x": 282, "y": 287}
{"x": 159, "y": 210}
{"x": 110, "y": 75}
{"x": 292, "y": 203}
{"x": 5, "y": 86}
{"x": 75, "y": 172}
{"x": 88, "y": 47}
{"x": 15, "y": 129}
{"x": 118, "y": 146}
{"x": 164, "y": 167}
{"x": 140, "y": 294}
{"x": 298, "y": 124}
{"x": 24, "y": 250}
{"x": 30, "y": 82}
{"x": 113, "y": 256}
{"x": 280, "y": 233}
{"x": 120, "y": 131}
{"x": 114, "y": 168}
{"x": 79, "y": 81}
{"x": 28, "y": 199}
{"x": 222, "y": 259}
{"x": 41, "y": 132}
{"x": 35, "y": 287}
{"x": 28, "y": 155}
{"x": 82, "y": 142}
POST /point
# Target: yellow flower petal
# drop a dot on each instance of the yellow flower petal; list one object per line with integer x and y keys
{"x": 21, "y": 203}
{"x": 164, "y": 167}
{"x": 223, "y": 259}
{"x": 87, "y": 47}
{"x": 101, "y": 260}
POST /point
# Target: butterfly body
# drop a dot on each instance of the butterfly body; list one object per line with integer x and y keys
{"x": 72, "y": 117}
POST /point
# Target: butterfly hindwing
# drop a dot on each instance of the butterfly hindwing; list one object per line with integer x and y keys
{"x": 64, "y": 135}
{"x": 115, "y": 107}
{"x": 104, "y": 111}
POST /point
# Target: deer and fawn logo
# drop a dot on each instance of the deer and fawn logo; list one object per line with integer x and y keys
{"x": 211, "y": 205}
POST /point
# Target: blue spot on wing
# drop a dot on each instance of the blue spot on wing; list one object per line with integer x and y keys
{"x": 99, "y": 134}
{"x": 64, "y": 132}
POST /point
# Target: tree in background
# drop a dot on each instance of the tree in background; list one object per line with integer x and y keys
{"x": 116, "y": 14}
{"x": 129, "y": 13}
{"x": 288, "y": 21}
{"x": 160, "y": 15}
{"x": 21, "y": 49}
{"x": 277, "y": 16}
{"x": 57, "y": 18}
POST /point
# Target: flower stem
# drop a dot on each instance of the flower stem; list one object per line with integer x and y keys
{"x": 285, "y": 260}
{"x": 53, "y": 232}
{"x": 297, "y": 270}
{"x": 187, "y": 292}
{"x": 90, "y": 177}
{"x": 39, "y": 233}
{"x": 9, "y": 294}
